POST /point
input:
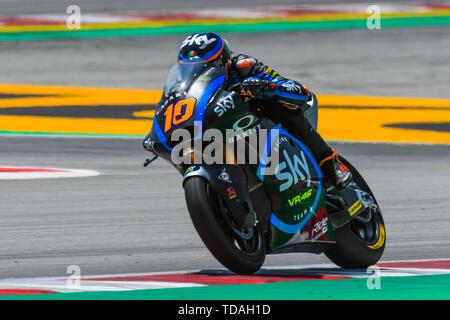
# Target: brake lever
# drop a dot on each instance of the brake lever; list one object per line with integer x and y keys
{"x": 235, "y": 87}
{"x": 148, "y": 161}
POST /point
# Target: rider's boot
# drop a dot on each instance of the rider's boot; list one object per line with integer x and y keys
{"x": 298, "y": 125}
{"x": 335, "y": 171}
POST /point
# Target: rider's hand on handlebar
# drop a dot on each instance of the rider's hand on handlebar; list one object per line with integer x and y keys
{"x": 255, "y": 87}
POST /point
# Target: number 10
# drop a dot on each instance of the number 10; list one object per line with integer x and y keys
{"x": 178, "y": 112}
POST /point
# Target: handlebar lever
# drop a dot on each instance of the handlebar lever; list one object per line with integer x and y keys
{"x": 148, "y": 161}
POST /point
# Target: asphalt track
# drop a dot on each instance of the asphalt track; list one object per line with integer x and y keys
{"x": 130, "y": 219}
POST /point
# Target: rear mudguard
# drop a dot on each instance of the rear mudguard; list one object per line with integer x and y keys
{"x": 229, "y": 181}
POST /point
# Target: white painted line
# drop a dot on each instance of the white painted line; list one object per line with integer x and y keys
{"x": 89, "y": 286}
{"x": 58, "y": 173}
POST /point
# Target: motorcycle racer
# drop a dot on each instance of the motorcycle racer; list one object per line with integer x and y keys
{"x": 240, "y": 215}
{"x": 282, "y": 100}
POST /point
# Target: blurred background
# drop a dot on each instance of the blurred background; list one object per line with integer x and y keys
{"x": 84, "y": 99}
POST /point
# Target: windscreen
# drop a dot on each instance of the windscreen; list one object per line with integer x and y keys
{"x": 181, "y": 75}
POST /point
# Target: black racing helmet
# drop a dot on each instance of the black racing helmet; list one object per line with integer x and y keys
{"x": 205, "y": 47}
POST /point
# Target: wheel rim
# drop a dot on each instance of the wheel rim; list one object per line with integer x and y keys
{"x": 367, "y": 232}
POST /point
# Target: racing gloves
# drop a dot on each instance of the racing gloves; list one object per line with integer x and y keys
{"x": 256, "y": 88}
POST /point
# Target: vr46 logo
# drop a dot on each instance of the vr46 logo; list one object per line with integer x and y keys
{"x": 299, "y": 198}
{"x": 293, "y": 170}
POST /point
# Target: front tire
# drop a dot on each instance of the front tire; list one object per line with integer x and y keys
{"x": 208, "y": 214}
{"x": 359, "y": 245}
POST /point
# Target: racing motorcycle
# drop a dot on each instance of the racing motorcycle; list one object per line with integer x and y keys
{"x": 294, "y": 209}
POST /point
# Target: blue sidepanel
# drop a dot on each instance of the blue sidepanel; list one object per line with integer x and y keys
{"x": 274, "y": 220}
{"x": 160, "y": 134}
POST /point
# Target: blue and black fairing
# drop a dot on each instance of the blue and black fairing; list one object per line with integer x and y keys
{"x": 198, "y": 81}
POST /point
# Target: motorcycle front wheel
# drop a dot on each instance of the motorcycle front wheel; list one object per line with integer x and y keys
{"x": 241, "y": 251}
{"x": 359, "y": 244}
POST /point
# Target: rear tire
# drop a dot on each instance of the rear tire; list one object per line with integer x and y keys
{"x": 217, "y": 235}
{"x": 359, "y": 245}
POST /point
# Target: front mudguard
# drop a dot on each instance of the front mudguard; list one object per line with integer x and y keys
{"x": 355, "y": 201}
{"x": 230, "y": 182}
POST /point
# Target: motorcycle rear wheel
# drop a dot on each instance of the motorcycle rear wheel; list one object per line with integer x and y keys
{"x": 243, "y": 253}
{"x": 359, "y": 245}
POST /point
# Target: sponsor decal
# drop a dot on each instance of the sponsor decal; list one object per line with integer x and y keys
{"x": 355, "y": 208}
{"x": 240, "y": 126}
{"x": 174, "y": 96}
{"x": 224, "y": 105}
{"x": 320, "y": 228}
{"x": 244, "y": 134}
{"x": 291, "y": 171}
{"x": 279, "y": 141}
{"x": 299, "y": 198}
{"x": 224, "y": 176}
{"x": 148, "y": 143}
{"x": 269, "y": 71}
{"x": 202, "y": 41}
{"x": 244, "y": 122}
{"x": 291, "y": 86}
{"x": 191, "y": 169}
{"x": 231, "y": 193}
{"x": 167, "y": 101}
{"x": 300, "y": 216}
{"x": 381, "y": 239}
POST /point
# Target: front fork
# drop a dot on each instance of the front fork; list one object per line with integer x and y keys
{"x": 229, "y": 182}
{"x": 349, "y": 203}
